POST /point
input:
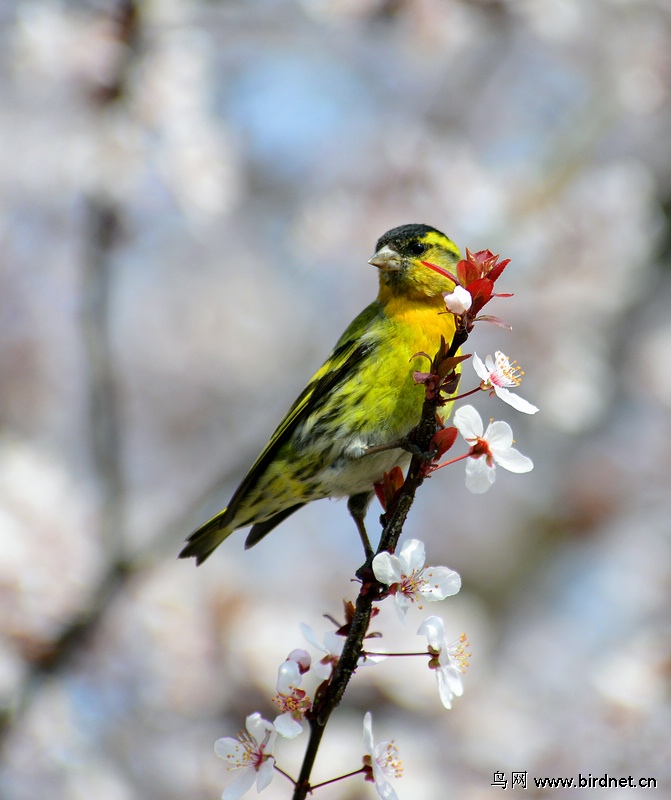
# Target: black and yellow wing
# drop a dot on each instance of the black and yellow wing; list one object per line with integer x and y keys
{"x": 350, "y": 351}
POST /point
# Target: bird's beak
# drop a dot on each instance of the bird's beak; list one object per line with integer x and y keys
{"x": 386, "y": 259}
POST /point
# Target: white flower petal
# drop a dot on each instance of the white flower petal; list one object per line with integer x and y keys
{"x": 434, "y": 630}
{"x": 230, "y": 750}
{"x": 446, "y": 694}
{"x": 258, "y": 727}
{"x": 449, "y": 684}
{"x": 468, "y": 422}
{"x": 288, "y": 677}
{"x": 458, "y": 301}
{"x": 479, "y": 475}
{"x": 302, "y": 658}
{"x": 481, "y": 370}
{"x": 514, "y": 461}
{"x": 499, "y": 436}
{"x": 309, "y": 635}
{"x": 368, "y": 744}
{"x": 382, "y": 785}
{"x": 514, "y": 400}
{"x": 265, "y": 774}
{"x": 241, "y": 785}
{"x": 402, "y": 603}
{"x": 452, "y": 675}
{"x": 412, "y": 556}
{"x": 333, "y": 643}
{"x": 323, "y": 671}
{"x": 287, "y": 726}
{"x": 387, "y": 568}
{"x": 442, "y": 582}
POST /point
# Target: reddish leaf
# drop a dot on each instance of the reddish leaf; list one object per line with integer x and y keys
{"x": 496, "y": 270}
{"x": 421, "y": 377}
{"x": 421, "y": 354}
{"x": 379, "y": 493}
{"x": 392, "y": 482}
{"x": 442, "y": 441}
{"x": 448, "y": 365}
{"x": 450, "y": 386}
{"x": 484, "y": 259}
{"x": 481, "y": 292}
{"x": 495, "y": 321}
{"x": 440, "y": 270}
{"x": 467, "y": 272}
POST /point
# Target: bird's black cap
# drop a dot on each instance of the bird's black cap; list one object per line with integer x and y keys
{"x": 405, "y": 233}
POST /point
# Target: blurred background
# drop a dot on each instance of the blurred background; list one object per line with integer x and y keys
{"x": 189, "y": 193}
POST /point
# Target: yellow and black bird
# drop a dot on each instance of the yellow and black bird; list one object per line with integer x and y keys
{"x": 362, "y": 397}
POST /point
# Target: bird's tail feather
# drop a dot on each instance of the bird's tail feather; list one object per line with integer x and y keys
{"x": 204, "y": 540}
{"x": 261, "y": 529}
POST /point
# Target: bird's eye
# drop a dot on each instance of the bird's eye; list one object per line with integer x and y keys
{"x": 417, "y": 248}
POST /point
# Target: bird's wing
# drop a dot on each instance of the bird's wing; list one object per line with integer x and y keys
{"x": 349, "y": 352}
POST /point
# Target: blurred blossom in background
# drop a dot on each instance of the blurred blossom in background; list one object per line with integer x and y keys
{"x": 189, "y": 194}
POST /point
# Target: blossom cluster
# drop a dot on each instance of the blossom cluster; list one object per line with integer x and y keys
{"x": 408, "y": 581}
{"x": 474, "y": 281}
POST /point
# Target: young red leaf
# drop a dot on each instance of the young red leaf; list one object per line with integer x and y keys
{"x": 442, "y": 441}
{"x": 440, "y": 270}
{"x": 450, "y": 386}
{"x": 379, "y": 493}
{"x": 392, "y": 483}
{"x": 495, "y": 321}
{"x": 467, "y": 271}
{"x": 447, "y": 365}
{"x": 496, "y": 270}
{"x": 481, "y": 292}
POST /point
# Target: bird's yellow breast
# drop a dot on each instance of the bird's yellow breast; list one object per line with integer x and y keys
{"x": 393, "y": 401}
{"x": 421, "y": 322}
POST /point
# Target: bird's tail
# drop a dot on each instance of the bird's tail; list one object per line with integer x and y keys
{"x": 204, "y": 540}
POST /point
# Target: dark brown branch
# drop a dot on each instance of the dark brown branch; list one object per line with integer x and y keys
{"x": 370, "y": 588}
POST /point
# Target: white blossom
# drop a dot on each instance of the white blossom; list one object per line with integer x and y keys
{"x": 331, "y": 647}
{"x": 458, "y": 301}
{"x": 251, "y": 752}
{"x": 488, "y": 448}
{"x": 498, "y": 374}
{"x": 409, "y": 578}
{"x": 383, "y": 760}
{"x": 449, "y": 659}
{"x": 290, "y": 699}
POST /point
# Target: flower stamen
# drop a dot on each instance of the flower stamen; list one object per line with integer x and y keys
{"x": 505, "y": 372}
{"x": 295, "y": 703}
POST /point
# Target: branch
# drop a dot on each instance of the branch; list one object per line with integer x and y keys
{"x": 371, "y": 588}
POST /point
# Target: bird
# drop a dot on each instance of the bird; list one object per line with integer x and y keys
{"x": 362, "y": 398}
